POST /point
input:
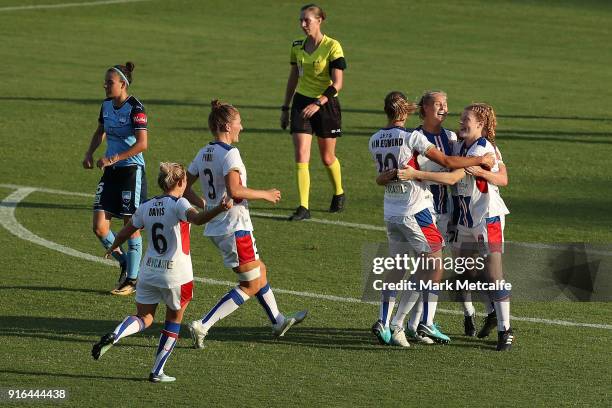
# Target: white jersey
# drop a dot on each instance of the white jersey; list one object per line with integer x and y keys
{"x": 477, "y": 198}
{"x": 444, "y": 142}
{"x": 167, "y": 262}
{"x": 394, "y": 148}
{"x": 212, "y": 163}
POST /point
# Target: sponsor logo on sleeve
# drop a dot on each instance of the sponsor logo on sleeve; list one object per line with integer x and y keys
{"x": 140, "y": 118}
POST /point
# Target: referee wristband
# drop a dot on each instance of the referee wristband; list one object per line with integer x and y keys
{"x": 285, "y": 108}
{"x": 330, "y": 92}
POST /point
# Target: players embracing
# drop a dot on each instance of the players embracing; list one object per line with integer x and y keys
{"x": 407, "y": 212}
{"x": 480, "y": 216}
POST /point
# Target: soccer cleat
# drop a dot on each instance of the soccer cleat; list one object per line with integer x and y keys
{"x": 398, "y": 337}
{"x": 417, "y": 338}
{"x": 505, "y": 340}
{"x": 279, "y": 329}
{"x": 126, "y": 288}
{"x": 469, "y": 326}
{"x": 122, "y": 276}
{"x": 337, "y": 203}
{"x": 198, "y": 332}
{"x": 161, "y": 377}
{"x": 299, "y": 316}
{"x": 101, "y": 347}
{"x": 433, "y": 333}
{"x": 301, "y": 213}
{"x": 382, "y": 333}
{"x": 488, "y": 324}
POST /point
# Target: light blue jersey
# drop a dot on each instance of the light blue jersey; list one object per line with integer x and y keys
{"x": 120, "y": 125}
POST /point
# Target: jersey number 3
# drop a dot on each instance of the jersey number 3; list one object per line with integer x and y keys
{"x": 211, "y": 191}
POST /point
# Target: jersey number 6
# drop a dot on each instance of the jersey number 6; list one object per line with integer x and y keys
{"x": 159, "y": 241}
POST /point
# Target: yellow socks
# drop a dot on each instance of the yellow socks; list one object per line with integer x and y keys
{"x": 303, "y": 181}
{"x": 335, "y": 176}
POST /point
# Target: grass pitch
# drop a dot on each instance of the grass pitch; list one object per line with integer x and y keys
{"x": 543, "y": 65}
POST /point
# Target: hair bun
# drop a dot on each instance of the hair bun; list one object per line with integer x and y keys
{"x": 216, "y": 103}
{"x": 130, "y": 66}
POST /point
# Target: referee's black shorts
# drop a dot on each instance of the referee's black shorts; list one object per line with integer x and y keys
{"x": 326, "y": 123}
{"x": 121, "y": 190}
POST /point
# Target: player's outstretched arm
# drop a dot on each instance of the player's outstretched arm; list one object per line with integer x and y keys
{"x": 386, "y": 177}
{"x": 191, "y": 195}
{"x": 202, "y": 217}
{"x": 499, "y": 179}
{"x": 456, "y": 162}
{"x": 239, "y": 192}
{"x": 448, "y": 178}
{"x": 96, "y": 140}
{"x": 127, "y": 231}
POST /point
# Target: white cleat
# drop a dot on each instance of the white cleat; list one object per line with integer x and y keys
{"x": 417, "y": 338}
{"x": 198, "y": 332}
{"x": 161, "y": 378}
{"x": 398, "y": 337}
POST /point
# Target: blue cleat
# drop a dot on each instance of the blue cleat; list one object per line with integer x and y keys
{"x": 433, "y": 333}
{"x": 382, "y": 333}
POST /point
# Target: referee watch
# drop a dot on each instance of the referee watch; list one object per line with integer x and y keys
{"x": 318, "y": 102}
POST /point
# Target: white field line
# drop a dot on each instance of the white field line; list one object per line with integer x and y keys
{"x": 367, "y": 227}
{"x": 65, "y": 5}
{"x": 10, "y": 223}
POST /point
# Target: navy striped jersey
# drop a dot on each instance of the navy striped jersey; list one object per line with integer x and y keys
{"x": 477, "y": 198}
{"x": 120, "y": 124}
{"x": 444, "y": 142}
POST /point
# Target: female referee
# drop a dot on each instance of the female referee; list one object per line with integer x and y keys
{"x": 123, "y": 123}
{"x": 315, "y": 78}
{"x": 221, "y": 171}
{"x": 167, "y": 274}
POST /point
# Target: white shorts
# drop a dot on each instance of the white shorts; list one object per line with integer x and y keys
{"x": 485, "y": 238}
{"x": 237, "y": 249}
{"x": 175, "y": 298}
{"x": 418, "y": 231}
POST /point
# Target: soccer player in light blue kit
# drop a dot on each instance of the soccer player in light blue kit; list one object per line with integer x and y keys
{"x": 123, "y": 124}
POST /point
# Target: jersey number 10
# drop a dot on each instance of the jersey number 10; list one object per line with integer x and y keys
{"x": 389, "y": 163}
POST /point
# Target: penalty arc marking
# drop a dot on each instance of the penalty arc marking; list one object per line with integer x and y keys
{"x": 10, "y": 223}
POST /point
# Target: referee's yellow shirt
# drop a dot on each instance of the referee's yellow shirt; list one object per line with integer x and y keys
{"x": 315, "y": 69}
